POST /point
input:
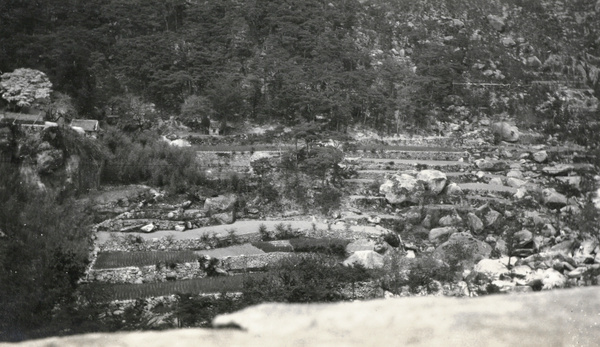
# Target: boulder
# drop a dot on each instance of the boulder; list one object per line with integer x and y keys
{"x": 573, "y": 181}
{"x": 402, "y": 188}
{"x": 491, "y": 269}
{"x": 515, "y": 182}
{"x": 434, "y": 180}
{"x": 496, "y": 22}
{"x": 148, "y": 228}
{"x": 367, "y": 259}
{"x": 496, "y": 181}
{"x": 505, "y": 131}
{"x": 491, "y": 217}
{"x": 453, "y": 189}
{"x": 534, "y": 62}
{"x": 221, "y": 203}
{"x": 540, "y": 157}
{"x": 472, "y": 250}
{"x": 224, "y": 218}
{"x": 491, "y": 165}
{"x": 475, "y": 222}
{"x": 508, "y": 42}
{"x": 558, "y": 169}
{"x": 546, "y": 279}
{"x": 523, "y": 238}
{"x": 436, "y": 235}
{"x": 514, "y": 174}
{"x": 450, "y": 220}
{"x": 553, "y": 199}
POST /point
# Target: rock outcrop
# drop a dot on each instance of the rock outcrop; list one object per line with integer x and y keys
{"x": 556, "y": 318}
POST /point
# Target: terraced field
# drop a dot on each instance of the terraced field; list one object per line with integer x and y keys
{"x": 111, "y": 260}
{"x": 208, "y": 285}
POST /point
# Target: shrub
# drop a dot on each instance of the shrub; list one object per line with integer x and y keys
{"x": 328, "y": 199}
{"x": 264, "y": 233}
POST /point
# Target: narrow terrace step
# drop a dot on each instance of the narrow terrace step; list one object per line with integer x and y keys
{"x": 112, "y": 260}
{"x": 232, "y": 251}
{"x": 416, "y": 162}
{"x": 207, "y": 285}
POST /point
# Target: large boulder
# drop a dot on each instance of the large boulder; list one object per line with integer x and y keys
{"x": 505, "y": 131}
{"x": 402, "y": 188}
{"x": 434, "y": 180}
{"x": 367, "y": 259}
{"x": 221, "y": 203}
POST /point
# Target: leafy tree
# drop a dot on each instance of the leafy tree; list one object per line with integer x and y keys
{"x": 23, "y": 87}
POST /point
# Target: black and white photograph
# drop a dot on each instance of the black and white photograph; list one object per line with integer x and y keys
{"x": 298, "y": 173}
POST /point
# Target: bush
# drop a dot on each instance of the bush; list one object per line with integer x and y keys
{"x": 304, "y": 279}
{"x": 328, "y": 199}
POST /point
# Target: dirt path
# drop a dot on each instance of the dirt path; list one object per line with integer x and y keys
{"x": 242, "y": 228}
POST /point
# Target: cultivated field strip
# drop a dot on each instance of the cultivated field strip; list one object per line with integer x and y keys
{"x": 111, "y": 260}
{"x": 207, "y": 285}
{"x": 232, "y": 251}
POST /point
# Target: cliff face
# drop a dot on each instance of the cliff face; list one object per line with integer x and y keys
{"x": 54, "y": 158}
{"x": 558, "y": 318}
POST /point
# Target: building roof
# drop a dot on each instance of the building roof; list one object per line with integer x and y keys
{"x": 89, "y": 125}
{"x": 22, "y": 118}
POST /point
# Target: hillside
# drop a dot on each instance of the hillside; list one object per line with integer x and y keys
{"x": 390, "y": 65}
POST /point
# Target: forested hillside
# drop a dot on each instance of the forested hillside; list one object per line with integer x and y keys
{"x": 382, "y": 63}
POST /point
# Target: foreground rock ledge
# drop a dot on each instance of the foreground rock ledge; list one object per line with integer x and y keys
{"x": 555, "y": 318}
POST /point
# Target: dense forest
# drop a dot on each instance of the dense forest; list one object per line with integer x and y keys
{"x": 380, "y": 63}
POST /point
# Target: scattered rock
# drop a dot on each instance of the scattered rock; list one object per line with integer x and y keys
{"x": 523, "y": 238}
{"x": 367, "y": 259}
{"x": 221, "y": 203}
{"x": 437, "y": 234}
{"x": 148, "y": 228}
{"x": 558, "y": 169}
{"x": 491, "y": 217}
{"x": 434, "y": 180}
{"x": 475, "y": 222}
{"x": 505, "y": 131}
{"x": 472, "y": 250}
{"x": 496, "y": 22}
{"x": 492, "y": 269}
{"x": 553, "y": 199}
{"x": 453, "y": 189}
{"x": 515, "y": 182}
{"x": 514, "y": 174}
{"x": 450, "y": 220}
{"x": 489, "y": 165}
{"x": 540, "y": 157}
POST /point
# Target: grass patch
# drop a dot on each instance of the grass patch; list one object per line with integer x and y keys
{"x": 271, "y": 247}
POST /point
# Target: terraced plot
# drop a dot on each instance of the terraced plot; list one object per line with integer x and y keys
{"x": 111, "y": 260}
{"x": 233, "y": 251}
{"x": 207, "y": 285}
